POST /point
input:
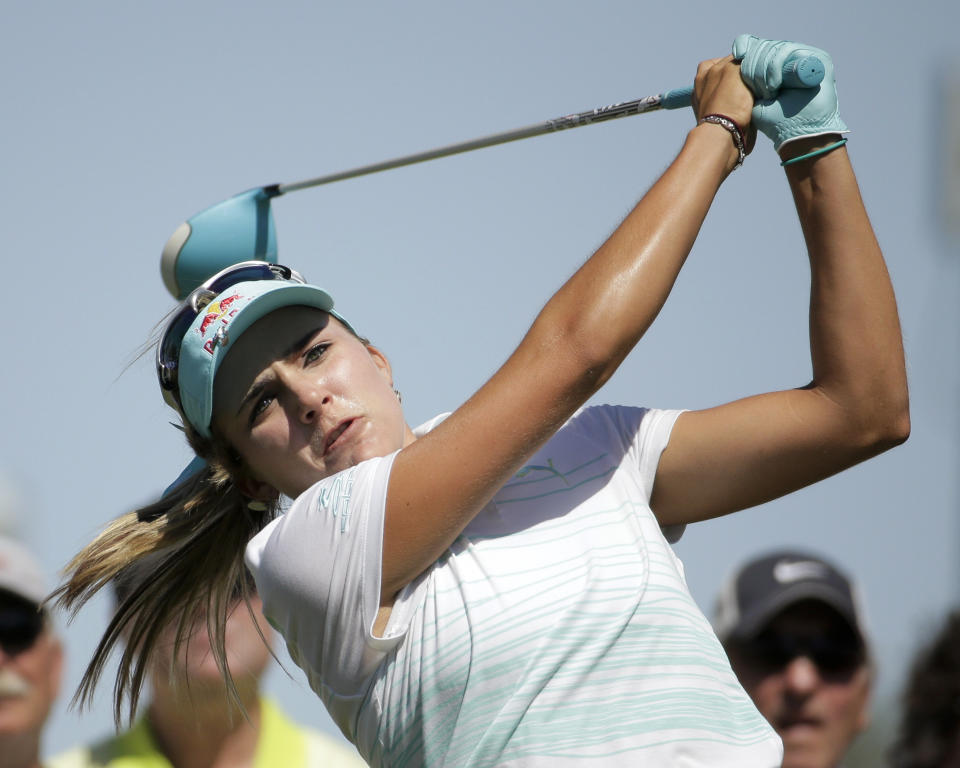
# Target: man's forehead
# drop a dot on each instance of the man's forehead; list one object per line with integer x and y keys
{"x": 808, "y": 616}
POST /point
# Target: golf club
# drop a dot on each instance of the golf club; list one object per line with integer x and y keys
{"x": 241, "y": 228}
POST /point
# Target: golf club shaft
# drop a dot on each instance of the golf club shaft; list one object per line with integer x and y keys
{"x": 798, "y": 72}
{"x": 612, "y": 112}
{"x": 242, "y": 226}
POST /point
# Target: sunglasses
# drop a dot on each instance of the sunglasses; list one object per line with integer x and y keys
{"x": 168, "y": 351}
{"x": 20, "y": 626}
{"x": 833, "y": 654}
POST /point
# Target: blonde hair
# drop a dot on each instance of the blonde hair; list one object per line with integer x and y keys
{"x": 189, "y": 544}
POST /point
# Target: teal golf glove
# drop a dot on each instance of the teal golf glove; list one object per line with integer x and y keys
{"x": 789, "y": 113}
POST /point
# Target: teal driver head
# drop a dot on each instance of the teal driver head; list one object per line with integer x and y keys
{"x": 212, "y": 317}
{"x": 239, "y": 228}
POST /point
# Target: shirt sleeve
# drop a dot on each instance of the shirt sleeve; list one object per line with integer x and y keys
{"x": 318, "y": 570}
{"x": 643, "y": 433}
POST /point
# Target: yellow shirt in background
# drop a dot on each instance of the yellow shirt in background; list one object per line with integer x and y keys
{"x": 282, "y": 744}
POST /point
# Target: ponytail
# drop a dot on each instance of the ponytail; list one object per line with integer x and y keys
{"x": 175, "y": 561}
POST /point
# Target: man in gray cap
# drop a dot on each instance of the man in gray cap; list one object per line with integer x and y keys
{"x": 31, "y": 657}
{"x": 794, "y": 632}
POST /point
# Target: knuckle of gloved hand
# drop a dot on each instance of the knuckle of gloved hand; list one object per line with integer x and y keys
{"x": 741, "y": 45}
{"x": 754, "y": 64}
{"x": 749, "y": 76}
{"x": 773, "y": 76}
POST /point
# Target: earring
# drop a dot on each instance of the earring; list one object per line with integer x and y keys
{"x": 397, "y": 393}
{"x": 256, "y": 506}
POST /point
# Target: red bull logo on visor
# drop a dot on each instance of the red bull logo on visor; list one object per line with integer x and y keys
{"x": 218, "y": 313}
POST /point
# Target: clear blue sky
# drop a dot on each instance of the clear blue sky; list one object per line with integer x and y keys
{"x": 120, "y": 120}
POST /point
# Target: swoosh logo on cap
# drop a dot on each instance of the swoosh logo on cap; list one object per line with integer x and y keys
{"x": 785, "y": 572}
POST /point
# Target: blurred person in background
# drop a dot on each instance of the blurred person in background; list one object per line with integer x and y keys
{"x": 793, "y": 629}
{"x": 192, "y": 721}
{"x": 31, "y": 657}
{"x": 929, "y": 734}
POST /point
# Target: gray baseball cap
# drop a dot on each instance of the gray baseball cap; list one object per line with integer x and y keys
{"x": 20, "y": 573}
{"x": 764, "y": 587}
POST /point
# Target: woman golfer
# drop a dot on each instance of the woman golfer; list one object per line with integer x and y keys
{"x": 496, "y": 587}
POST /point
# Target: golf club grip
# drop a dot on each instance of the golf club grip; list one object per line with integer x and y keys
{"x": 798, "y": 72}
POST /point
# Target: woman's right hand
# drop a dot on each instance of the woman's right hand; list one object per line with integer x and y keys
{"x": 719, "y": 90}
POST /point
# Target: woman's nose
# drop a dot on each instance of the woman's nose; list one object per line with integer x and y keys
{"x": 309, "y": 397}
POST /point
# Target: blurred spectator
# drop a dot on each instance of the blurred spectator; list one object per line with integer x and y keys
{"x": 31, "y": 657}
{"x": 191, "y": 722}
{"x": 794, "y": 632}
{"x": 929, "y": 735}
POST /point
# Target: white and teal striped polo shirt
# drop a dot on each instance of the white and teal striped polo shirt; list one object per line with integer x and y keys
{"x": 556, "y": 631}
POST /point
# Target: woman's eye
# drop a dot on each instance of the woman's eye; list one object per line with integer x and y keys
{"x": 261, "y": 404}
{"x": 315, "y": 353}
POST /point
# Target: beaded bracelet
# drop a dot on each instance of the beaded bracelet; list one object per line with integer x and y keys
{"x": 815, "y": 153}
{"x": 735, "y": 131}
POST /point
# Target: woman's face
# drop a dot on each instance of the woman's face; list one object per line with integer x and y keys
{"x": 300, "y": 398}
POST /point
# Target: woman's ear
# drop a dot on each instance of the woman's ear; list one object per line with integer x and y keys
{"x": 255, "y": 489}
{"x": 380, "y": 360}
{"x": 244, "y": 480}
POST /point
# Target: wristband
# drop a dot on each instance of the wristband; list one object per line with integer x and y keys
{"x": 735, "y": 131}
{"x": 815, "y": 153}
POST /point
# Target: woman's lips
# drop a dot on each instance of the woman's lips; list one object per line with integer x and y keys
{"x": 334, "y": 438}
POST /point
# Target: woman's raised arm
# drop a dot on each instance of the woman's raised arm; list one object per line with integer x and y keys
{"x": 753, "y": 450}
{"x": 744, "y": 453}
{"x": 442, "y": 480}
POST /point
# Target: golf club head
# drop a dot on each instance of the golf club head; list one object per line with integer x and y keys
{"x": 238, "y": 229}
